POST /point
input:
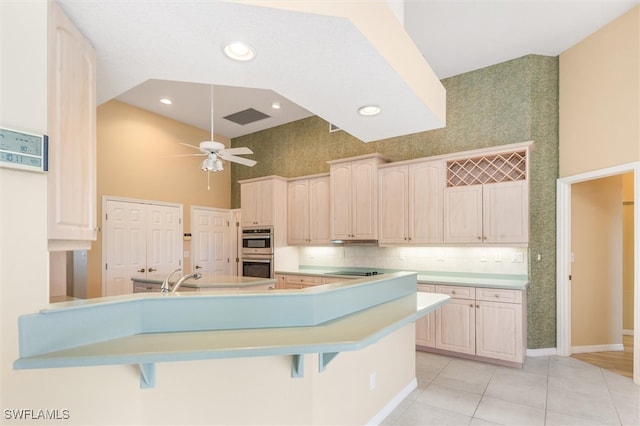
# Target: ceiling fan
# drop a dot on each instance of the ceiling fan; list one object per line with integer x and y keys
{"x": 216, "y": 151}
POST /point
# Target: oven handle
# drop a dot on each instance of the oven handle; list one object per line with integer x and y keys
{"x": 256, "y": 260}
{"x": 256, "y": 237}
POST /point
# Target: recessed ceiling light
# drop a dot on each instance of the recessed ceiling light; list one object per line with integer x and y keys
{"x": 369, "y": 110}
{"x": 275, "y": 105}
{"x": 239, "y": 51}
{"x": 166, "y": 101}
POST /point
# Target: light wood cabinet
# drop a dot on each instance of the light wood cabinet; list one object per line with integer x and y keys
{"x": 264, "y": 203}
{"x": 426, "y": 326}
{"x": 480, "y": 322}
{"x": 487, "y": 199}
{"x": 354, "y": 197}
{"x": 294, "y": 281}
{"x": 492, "y": 213}
{"x": 456, "y": 321}
{"x": 308, "y": 211}
{"x": 411, "y": 203}
{"x": 72, "y": 135}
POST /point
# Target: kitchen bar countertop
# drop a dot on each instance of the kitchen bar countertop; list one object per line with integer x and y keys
{"x": 209, "y": 281}
{"x": 146, "y": 328}
{"x": 468, "y": 279}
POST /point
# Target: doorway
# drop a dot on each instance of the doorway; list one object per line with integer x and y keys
{"x": 565, "y": 190}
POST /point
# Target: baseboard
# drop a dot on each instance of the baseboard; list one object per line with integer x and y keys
{"x": 542, "y": 352}
{"x": 395, "y": 401}
{"x": 596, "y": 348}
{"x": 627, "y": 332}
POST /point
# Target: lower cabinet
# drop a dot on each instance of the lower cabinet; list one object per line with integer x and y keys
{"x": 284, "y": 282}
{"x": 479, "y": 322}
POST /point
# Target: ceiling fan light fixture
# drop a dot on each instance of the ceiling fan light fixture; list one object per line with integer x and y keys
{"x": 239, "y": 51}
{"x": 369, "y": 110}
{"x": 211, "y": 165}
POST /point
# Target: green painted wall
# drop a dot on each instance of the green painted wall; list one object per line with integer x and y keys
{"x": 514, "y": 101}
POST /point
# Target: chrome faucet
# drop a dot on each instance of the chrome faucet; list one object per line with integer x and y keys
{"x": 194, "y": 275}
{"x": 165, "y": 284}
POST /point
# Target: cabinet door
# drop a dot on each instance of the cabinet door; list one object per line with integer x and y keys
{"x": 249, "y": 203}
{"x": 364, "y": 196}
{"x": 463, "y": 214}
{"x": 499, "y": 331}
{"x": 72, "y": 135}
{"x": 506, "y": 212}
{"x": 298, "y": 212}
{"x": 340, "y": 179}
{"x": 265, "y": 203}
{"x": 393, "y": 204}
{"x": 456, "y": 326}
{"x": 281, "y": 282}
{"x": 426, "y": 183}
{"x": 319, "y": 212}
{"x": 426, "y": 326}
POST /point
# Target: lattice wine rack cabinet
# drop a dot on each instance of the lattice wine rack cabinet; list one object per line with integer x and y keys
{"x": 494, "y": 168}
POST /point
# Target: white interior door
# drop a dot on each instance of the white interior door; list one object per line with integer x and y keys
{"x": 141, "y": 240}
{"x": 125, "y": 234}
{"x": 164, "y": 239}
{"x": 211, "y": 240}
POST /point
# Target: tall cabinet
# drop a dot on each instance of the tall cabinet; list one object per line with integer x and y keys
{"x": 308, "y": 210}
{"x": 354, "y": 197}
{"x": 410, "y": 203}
{"x": 72, "y": 135}
{"x": 486, "y": 199}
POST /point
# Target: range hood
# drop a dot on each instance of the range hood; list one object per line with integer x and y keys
{"x": 355, "y": 242}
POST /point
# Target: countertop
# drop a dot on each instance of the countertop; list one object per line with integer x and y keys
{"x": 469, "y": 279}
{"x": 209, "y": 281}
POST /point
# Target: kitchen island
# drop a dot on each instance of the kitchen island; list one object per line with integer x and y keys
{"x": 359, "y": 333}
{"x": 208, "y": 282}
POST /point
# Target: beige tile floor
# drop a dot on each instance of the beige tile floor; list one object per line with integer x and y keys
{"x": 546, "y": 391}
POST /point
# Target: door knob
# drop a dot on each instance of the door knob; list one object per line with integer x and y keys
{"x": 151, "y": 269}
{"x": 141, "y": 270}
{"x": 198, "y": 267}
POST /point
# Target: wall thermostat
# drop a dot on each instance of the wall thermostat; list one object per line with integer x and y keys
{"x": 25, "y": 151}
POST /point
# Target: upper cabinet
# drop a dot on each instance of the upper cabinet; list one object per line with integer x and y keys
{"x": 486, "y": 200}
{"x": 308, "y": 211}
{"x": 353, "y": 189}
{"x": 72, "y": 135}
{"x": 263, "y": 202}
{"x": 410, "y": 203}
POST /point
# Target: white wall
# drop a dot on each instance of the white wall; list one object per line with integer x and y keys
{"x": 492, "y": 260}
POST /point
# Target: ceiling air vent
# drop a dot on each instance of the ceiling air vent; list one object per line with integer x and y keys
{"x": 333, "y": 128}
{"x": 247, "y": 116}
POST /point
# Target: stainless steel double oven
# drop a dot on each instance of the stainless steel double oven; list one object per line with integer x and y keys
{"x": 257, "y": 252}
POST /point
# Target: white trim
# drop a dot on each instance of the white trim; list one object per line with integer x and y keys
{"x": 393, "y": 403}
{"x": 563, "y": 254}
{"x": 597, "y": 348}
{"x": 627, "y": 332}
{"x": 542, "y": 352}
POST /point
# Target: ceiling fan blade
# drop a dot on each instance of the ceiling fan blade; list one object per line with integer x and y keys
{"x": 237, "y": 151}
{"x": 239, "y": 160}
{"x": 190, "y": 146}
{"x": 187, "y": 155}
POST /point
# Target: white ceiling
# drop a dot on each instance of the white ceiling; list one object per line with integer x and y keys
{"x": 311, "y": 64}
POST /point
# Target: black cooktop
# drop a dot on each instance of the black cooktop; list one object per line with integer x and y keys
{"x": 356, "y": 273}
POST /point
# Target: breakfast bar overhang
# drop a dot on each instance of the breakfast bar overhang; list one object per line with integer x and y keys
{"x": 145, "y": 329}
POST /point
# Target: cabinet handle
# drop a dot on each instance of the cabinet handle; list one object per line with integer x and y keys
{"x": 149, "y": 288}
{"x": 479, "y": 237}
{"x": 471, "y": 306}
{"x": 497, "y": 295}
{"x": 151, "y": 269}
{"x": 477, "y": 306}
{"x": 141, "y": 270}
{"x": 453, "y": 292}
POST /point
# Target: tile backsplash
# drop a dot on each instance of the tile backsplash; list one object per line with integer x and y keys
{"x": 493, "y": 260}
